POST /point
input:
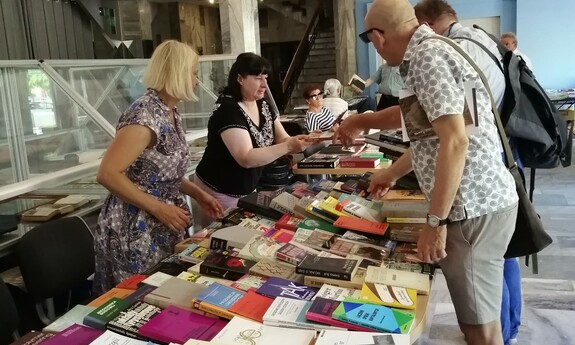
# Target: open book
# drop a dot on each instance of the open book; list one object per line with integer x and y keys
{"x": 357, "y": 81}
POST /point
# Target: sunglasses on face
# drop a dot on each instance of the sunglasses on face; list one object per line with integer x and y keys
{"x": 316, "y": 96}
{"x": 363, "y": 35}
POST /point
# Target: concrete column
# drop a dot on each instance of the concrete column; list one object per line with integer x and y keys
{"x": 345, "y": 37}
{"x": 240, "y": 26}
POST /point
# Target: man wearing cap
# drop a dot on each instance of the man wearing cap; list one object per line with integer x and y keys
{"x": 472, "y": 198}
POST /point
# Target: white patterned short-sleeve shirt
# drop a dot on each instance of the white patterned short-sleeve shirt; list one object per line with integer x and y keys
{"x": 435, "y": 73}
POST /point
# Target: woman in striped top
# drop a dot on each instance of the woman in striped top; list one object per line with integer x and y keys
{"x": 317, "y": 117}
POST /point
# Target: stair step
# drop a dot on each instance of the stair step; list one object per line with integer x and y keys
{"x": 322, "y": 40}
{"x": 313, "y": 63}
{"x": 329, "y": 52}
{"x": 327, "y": 45}
{"x": 326, "y": 34}
{"x": 321, "y": 58}
{"x": 318, "y": 71}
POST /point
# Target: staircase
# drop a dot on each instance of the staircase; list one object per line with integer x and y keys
{"x": 319, "y": 66}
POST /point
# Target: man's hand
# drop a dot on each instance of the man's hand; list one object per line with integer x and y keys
{"x": 210, "y": 205}
{"x": 431, "y": 243}
{"x": 380, "y": 184}
{"x": 347, "y": 131}
{"x": 356, "y": 89}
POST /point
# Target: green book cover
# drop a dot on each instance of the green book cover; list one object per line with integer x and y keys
{"x": 312, "y": 224}
{"x": 373, "y": 155}
{"x": 106, "y": 313}
{"x": 376, "y": 317}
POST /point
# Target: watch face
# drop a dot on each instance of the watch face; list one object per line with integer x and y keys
{"x": 433, "y": 221}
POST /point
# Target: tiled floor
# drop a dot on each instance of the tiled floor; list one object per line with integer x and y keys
{"x": 548, "y": 297}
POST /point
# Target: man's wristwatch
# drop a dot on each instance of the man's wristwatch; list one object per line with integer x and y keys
{"x": 435, "y": 222}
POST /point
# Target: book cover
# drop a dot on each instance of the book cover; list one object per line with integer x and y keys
{"x": 252, "y": 305}
{"x": 291, "y": 254}
{"x": 409, "y": 280}
{"x": 32, "y": 338}
{"x": 185, "y": 243}
{"x": 113, "y": 292}
{"x": 280, "y": 235}
{"x": 75, "y": 334}
{"x": 139, "y": 294}
{"x": 249, "y": 282}
{"x": 177, "y": 325}
{"x": 278, "y": 287}
{"x": 361, "y": 225}
{"x": 355, "y": 283}
{"x": 105, "y": 313}
{"x": 132, "y": 319}
{"x": 342, "y": 269}
{"x": 368, "y": 251}
{"x": 169, "y": 265}
{"x": 287, "y": 312}
{"x": 357, "y": 81}
{"x": 312, "y": 224}
{"x": 220, "y": 295}
{"x": 391, "y": 296}
{"x": 225, "y": 266}
{"x": 331, "y": 205}
{"x": 194, "y": 253}
{"x": 269, "y": 268}
{"x": 236, "y": 236}
{"x": 157, "y": 279}
{"x": 340, "y": 149}
{"x": 323, "y": 185}
{"x": 377, "y": 317}
{"x": 260, "y": 247}
{"x": 334, "y": 337}
{"x": 240, "y": 331}
{"x": 321, "y": 310}
{"x": 358, "y": 162}
{"x": 404, "y": 194}
{"x": 175, "y": 291}
{"x": 75, "y": 315}
{"x": 259, "y": 202}
{"x": 319, "y": 161}
{"x": 336, "y": 293}
{"x": 132, "y": 283}
{"x": 284, "y": 203}
{"x": 112, "y": 338}
{"x": 424, "y": 268}
{"x": 320, "y": 240}
{"x": 288, "y": 222}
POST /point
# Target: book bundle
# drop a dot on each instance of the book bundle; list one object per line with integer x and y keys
{"x": 328, "y": 267}
{"x": 355, "y": 156}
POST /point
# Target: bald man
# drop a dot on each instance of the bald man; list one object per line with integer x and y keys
{"x": 472, "y": 197}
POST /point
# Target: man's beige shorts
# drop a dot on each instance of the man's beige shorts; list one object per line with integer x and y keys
{"x": 473, "y": 267}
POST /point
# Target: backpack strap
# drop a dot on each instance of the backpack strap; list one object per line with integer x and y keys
{"x": 485, "y": 49}
{"x": 509, "y": 160}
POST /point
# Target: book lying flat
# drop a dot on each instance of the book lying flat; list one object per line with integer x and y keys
{"x": 333, "y": 337}
{"x": 287, "y": 312}
{"x": 241, "y": 331}
{"x": 377, "y": 317}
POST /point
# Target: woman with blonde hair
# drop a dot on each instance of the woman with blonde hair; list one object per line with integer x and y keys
{"x": 146, "y": 214}
{"x": 332, "y": 97}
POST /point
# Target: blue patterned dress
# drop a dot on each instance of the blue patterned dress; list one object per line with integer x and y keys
{"x": 130, "y": 240}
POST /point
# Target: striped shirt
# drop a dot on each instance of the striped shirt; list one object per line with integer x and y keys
{"x": 322, "y": 121}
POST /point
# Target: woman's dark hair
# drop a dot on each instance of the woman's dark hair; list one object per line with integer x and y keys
{"x": 307, "y": 90}
{"x": 245, "y": 64}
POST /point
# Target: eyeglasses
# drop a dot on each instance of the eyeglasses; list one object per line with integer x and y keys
{"x": 316, "y": 96}
{"x": 363, "y": 35}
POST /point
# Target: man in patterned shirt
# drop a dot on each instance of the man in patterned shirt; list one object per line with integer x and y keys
{"x": 473, "y": 203}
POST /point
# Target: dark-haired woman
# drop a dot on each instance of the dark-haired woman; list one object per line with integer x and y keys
{"x": 243, "y": 136}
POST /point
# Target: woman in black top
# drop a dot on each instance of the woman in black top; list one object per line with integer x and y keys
{"x": 243, "y": 136}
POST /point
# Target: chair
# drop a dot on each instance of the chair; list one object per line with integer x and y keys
{"x": 54, "y": 258}
{"x": 9, "y": 317}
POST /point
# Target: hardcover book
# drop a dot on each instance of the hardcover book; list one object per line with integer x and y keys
{"x": 391, "y": 296}
{"x": 132, "y": 319}
{"x": 278, "y": 287}
{"x": 177, "y": 325}
{"x": 105, "y": 313}
{"x": 260, "y": 247}
{"x": 225, "y": 266}
{"x": 321, "y": 310}
{"x": 75, "y": 334}
{"x": 175, "y": 291}
{"x": 333, "y": 337}
{"x": 319, "y": 161}
{"x": 377, "y": 317}
{"x": 357, "y": 81}
{"x": 241, "y": 331}
{"x": 287, "y": 312}
{"x": 269, "y": 268}
{"x": 342, "y": 269}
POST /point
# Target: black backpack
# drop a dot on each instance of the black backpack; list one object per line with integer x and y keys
{"x": 531, "y": 120}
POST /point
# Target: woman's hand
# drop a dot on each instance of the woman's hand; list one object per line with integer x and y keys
{"x": 172, "y": 216}
{"x": 299, "y": 143}
{"x": 210, "y": 205}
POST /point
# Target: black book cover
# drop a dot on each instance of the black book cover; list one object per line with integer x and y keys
{"x": 170, "y": 265}
{"x": 319, "y": 266}
{"x": 130, "y": 320}
{"x": 320, "y": 161}
{"x": 225, "y": 266}
{"x": 339, "y": 149}
{"x": 259, "y": 202}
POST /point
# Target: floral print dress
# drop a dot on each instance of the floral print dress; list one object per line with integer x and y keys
{"x": 130, "y": 240}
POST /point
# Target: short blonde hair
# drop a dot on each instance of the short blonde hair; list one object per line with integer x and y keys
{"x": 510, "y": 35}
{"x": 171, "y": 69}
{"x": 332, "y": 87}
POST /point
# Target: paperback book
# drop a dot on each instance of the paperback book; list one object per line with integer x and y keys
{"x": 278, "y": 287}
{"x": 291, "y": 313}
{"x": 132, "y": 319}
{"x": 391, "y": 296}
{"x": 376, "y": 317}
{"x": 240, "y": 331}
{"x": 342, "y": 269}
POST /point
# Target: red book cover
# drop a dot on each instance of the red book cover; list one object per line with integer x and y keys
{"x": 252, "y": 306}
{"x": 177, "y": 325}
{"x": 358, "y": 162}
{"x": 288, "y": 222}
{"x": 132, "y": 282}
{"x": 361, "y": 225}
{"x": 280, "y": 235}
{"x": 321, "y": 310}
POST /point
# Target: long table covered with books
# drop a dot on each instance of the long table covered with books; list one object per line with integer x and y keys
{"x": 311, "y": 263}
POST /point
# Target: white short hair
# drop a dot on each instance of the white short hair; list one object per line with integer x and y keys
{"x": 332, "y": 87}
{"x": 172, "y": 68}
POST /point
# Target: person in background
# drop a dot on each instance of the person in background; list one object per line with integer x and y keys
{"x": 244, "y": 135}
{"x": 332, "y": 97}
{"x": 389, "y": 81}
{"x": 145, "y": 214}
{"x": 317, "y": 117}
{"x": 509, "y": 40}
{"x": 471, "y": 194}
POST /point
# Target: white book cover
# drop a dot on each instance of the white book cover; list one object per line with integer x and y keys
{"x": 290, "y": 313}
{"x": 240, "y": 331}
{"x": 157, "y": 279}
{"x": 111, "y": 338}
{"x": 408, "y": 280}
{"x": 72, "y": 316}
{"x": 336, "y": 293}
{"x": 333, "y": 337}
{"x": 285, "y": 203}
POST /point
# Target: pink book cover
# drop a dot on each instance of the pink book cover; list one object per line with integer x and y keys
{"x": 75, "y": 334}
{"x": 177, "y": 325}
{"x": 321, "y": 310}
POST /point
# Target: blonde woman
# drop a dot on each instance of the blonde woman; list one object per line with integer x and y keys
{"x": 332, "y": 97}
{"x": 145, "y": 214}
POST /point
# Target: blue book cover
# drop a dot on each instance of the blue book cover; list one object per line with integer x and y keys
{"x": 220, "y": 295}
{"x": 278, "y": 287}
{"x": 377, "y": 317}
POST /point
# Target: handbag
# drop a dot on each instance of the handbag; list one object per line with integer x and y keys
{"x": 529, "y": 236}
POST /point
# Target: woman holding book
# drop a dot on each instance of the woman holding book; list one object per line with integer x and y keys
{"x": 146, "y": 214}
{"x": 244, "y": 135}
